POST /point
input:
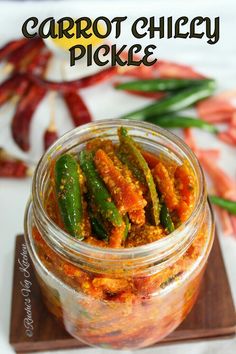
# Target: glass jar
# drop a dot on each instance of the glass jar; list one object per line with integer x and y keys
{"x": 119, "y": 298}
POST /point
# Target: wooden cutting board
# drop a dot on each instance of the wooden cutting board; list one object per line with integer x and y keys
{"x": 213, "y": 315}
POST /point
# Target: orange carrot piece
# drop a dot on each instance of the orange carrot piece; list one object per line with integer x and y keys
{"x": 172, "y": 70}
{"x": 162, "y": 69}
{"x": 72, "y": 270}
{"x": 233, "y": 120}
{"x": 184, "y": 185}
{"x": 137, "y": 216}
{"x": 225, "y": 221}
{"x": 217, "y": 117}
{"x": 97, "y": 143}
{"x": 232, "y": 133}
{"x": 214, "y": 104}
{"x": 228, "y": 95}
{"x": 216, "y": 109}
{"x": 233, "y": 223}
{"x": 213, "y": 154}
{"x": 224, "y": 184}
{"x": 166, "y": 185}
{"x": 117, "y": 235}
{"x": 183, "y": 210}
{"x": 123, "y": 192}
{"x": 37, "y": 236}
{"x": 151, "y": 159}
{"x": 189, "y": 139}
{"x": 226, "y": 138}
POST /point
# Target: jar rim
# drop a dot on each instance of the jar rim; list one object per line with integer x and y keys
{"x": 63, "y": 238}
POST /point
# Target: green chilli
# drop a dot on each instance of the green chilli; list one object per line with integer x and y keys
{"x": 153, "y": 85}
{"x": 180, "y": 100}
{"x": 98, "y": 191}
{"x": 68, "y": 194}
{"x": 129, "y": 148}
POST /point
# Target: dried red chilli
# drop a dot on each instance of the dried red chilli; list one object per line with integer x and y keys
{"x": 22, "y": 65}
{"x": 11, "y": 167}
{"x": 15, "y": 85}
{"x": 23, "y": 55}
{"x": 16, "y": 169}
{"x": 78, "y": 109}
{"x": 38, "y": 65}
{"x": 21, "y": 121}
{"x": 50, "y": 136}
{"x": 65, "y": 86}
{"x": 9, "y": 47}
{"x": 21, "y": 86}
{"x": 106, "y": 74}
{"x": 38, "y": 62}
{"x": 7, "y": 89}
{"x": 20, "y": 126}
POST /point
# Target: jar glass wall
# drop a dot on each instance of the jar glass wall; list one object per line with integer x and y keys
{"x": 119, "y": 298}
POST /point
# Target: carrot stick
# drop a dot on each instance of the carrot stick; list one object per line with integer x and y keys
{"x": 168, "y": 69}
{"x": 224, "y": 185}
{"x": 233, "y": 223}
{"x": 226, "y": 138}
{"x": 123, "y": 192}
{"x": 233, "y": 120}
{"x": 189, "y": 139}
{"x": 185, "y": 181}
{"x": 165, "y": 185}
{"x": 218, "y": 117}
{"x": 9, "y": 47}
{"x": 117, "y": 236}
{"x": 225, "y": 221}
{"x": 151, "y": 159}
{"x": 213, "y": 154}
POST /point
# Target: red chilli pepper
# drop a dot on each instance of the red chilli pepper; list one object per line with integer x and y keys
{"x": 40, "y": 61}
{"x": 11, "y": 167}
{"x": 21, "y": 121}
{"x": 78, "y": 110}
{"x": 21, "y": 57}
{"x": 20, "y": 126}
{"x": 9, "y": 47}
{"x": 50, "y": 136}
{"x": 65, "y": 86}
{"x": 16, "y": 84}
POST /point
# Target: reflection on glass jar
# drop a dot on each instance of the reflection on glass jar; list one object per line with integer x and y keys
{"x": 126, "y": 297}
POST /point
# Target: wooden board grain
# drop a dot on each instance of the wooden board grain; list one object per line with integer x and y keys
{"x": 213, "y": 315}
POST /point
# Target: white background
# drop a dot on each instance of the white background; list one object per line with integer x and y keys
{"x": 214, "y": 60}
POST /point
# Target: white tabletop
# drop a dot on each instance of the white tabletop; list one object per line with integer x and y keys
{"x": 214, "y": 60}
